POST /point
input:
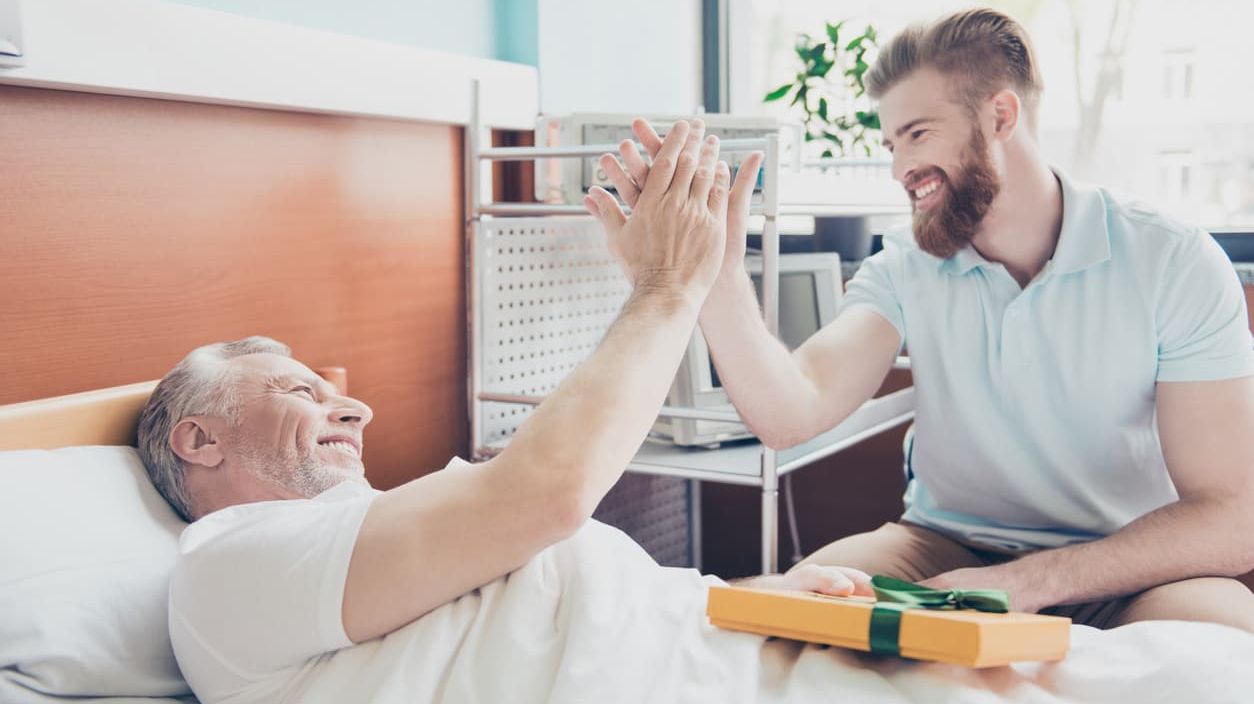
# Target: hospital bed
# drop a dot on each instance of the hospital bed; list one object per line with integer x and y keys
{"x": 89, "y": 545}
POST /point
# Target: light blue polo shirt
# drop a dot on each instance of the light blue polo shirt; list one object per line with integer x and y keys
{"x": 1035, "y": 422}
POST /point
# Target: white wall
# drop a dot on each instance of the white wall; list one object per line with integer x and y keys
{"x": 461, "y": 27}
{"x": 175, "y": 51}
{"x": 642, "y": 56}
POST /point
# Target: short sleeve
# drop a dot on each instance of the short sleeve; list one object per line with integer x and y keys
{"x": 260, "y": 587}
{"x": 873, "y": 287}
{"x": 1203, "y": 329}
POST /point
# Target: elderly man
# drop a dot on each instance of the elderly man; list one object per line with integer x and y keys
{"x": 1083, "y": 363}
{"x": 291, "y": 556}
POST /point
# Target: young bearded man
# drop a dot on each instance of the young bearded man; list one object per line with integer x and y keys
{"x": 1084, "y": 435}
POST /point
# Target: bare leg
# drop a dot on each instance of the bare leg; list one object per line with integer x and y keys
{"x": 1213, "y": 599}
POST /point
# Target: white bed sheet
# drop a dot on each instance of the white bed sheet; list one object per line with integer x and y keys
{"x": 592, "y": 619}
{"x": 13, "y": 693}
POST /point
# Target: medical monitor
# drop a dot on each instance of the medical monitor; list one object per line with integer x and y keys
{"x": 810, "y": 289}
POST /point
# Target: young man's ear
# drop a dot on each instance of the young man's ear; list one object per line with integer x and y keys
{"x": 1007, "y": 110}
{"x": 194, "y": 440}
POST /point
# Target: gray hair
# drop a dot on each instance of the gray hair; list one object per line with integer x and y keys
{"x": 199, "y": 385}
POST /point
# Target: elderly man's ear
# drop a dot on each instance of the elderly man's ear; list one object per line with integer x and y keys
{"x": 195, "y": 440}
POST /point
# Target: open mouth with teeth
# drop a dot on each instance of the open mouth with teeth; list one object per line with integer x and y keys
{"x": 927, "y": 193}
{"x": 343, "y": 446}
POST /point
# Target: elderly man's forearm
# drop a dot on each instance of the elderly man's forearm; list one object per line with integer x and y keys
{"x": 578, "y": 441}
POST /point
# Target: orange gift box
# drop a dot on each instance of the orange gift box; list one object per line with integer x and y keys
{"x": 961, "y": 637}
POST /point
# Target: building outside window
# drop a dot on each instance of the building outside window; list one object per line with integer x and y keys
{"x": 1178, "y": 74}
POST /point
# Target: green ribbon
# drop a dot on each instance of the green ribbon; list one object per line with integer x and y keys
{"x": 893, "y": 596}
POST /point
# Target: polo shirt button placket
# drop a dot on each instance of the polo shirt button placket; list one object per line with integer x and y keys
{"x": 1025, "y": 348}
{"x": 1015, "y": 352}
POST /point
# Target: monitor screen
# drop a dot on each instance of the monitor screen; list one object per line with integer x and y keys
{"x": 798, "y": 311}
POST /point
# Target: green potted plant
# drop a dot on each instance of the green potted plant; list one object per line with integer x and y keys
{"x": 835, "y": 110}
{"x": 830, "y": 97}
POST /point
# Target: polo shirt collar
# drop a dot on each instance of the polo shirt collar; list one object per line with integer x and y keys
{"x": 1084, "y": 240}
{"x": 963, "y": 261}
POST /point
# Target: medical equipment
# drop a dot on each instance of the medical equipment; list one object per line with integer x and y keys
{"x": 567, "y": 180}
{"x": 810, "y": 290}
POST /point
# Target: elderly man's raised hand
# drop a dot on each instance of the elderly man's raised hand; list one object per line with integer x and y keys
{"x": 676, "y": 235}
{"x": 633, "y": 170}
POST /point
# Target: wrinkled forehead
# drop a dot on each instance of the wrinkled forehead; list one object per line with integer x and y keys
{"x": 265, "y": 369}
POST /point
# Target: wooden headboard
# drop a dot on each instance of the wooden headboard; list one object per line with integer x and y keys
{"x": 134, "y": 229}
{"x": 101, "y": 417}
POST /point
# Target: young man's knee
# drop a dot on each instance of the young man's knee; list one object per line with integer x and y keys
{"x": 1210, "y": 599}
{"x": 895, "y": 549}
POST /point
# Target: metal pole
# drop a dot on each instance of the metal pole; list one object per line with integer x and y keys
{"x": 770, "y": 307}
{"x": 770, "y": 512}
{"x": 580, "y": 150}
{"x": 770, "y": 235}
{"x": 470, "y": 166}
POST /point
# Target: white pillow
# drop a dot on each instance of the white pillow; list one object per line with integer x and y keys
{"x": 86, "y": 549}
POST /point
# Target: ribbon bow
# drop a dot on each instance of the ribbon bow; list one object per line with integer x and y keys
{"x": 903, "y": 592}
{"x": 896, "y": 595}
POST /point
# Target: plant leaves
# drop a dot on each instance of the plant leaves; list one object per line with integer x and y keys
{"x": 833, "y": 32}
{"x": 801, "y": 94}
{"x": 823, "y": 108}
{"x": 856, "y": 73}
{"x": 821, "y": 68}
{"x": 869, "y": 120}
{"x": 778, "y": 93}
{"x": 803, "y": 50}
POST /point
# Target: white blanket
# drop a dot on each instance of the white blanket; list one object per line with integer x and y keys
{"x": 594, "y": 619}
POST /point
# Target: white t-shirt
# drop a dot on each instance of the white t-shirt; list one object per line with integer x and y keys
{"x": 257, "y": 594}
{"x": 256, "y": 617}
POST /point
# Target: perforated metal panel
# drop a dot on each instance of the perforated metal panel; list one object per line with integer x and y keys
{"x": 660, "y": 513}
{"x": 546, "y": 290}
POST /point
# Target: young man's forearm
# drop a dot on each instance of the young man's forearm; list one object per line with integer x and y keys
{"x": 1190, "y": 538}
{"x": 775, "y": 399}
{"x": 582, "y": 437}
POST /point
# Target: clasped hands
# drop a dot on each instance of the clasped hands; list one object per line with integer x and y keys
{"x": 688, "y": 220}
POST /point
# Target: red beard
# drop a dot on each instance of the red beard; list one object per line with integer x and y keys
{"x": 952, "y": 223}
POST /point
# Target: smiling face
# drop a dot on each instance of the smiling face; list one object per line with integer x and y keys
{"x": 941, "y": 158}
{"x": 294, "y": 431}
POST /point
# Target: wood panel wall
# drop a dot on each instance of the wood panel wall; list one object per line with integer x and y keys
{"x": 133, "y": 229}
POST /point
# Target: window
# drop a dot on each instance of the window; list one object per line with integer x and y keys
{"x": 1178, "y": 75}
{"x": 1140, "y": 96}
{"x": 1177, "y": 168}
